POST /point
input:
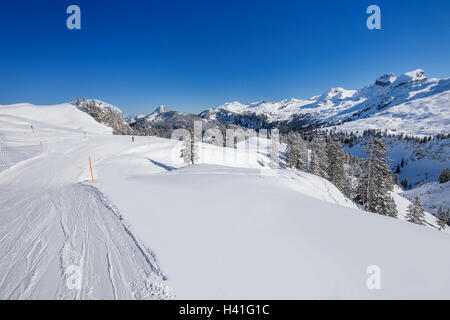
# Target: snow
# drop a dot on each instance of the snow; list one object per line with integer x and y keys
{"x": 155, "y": 114}
{"x": 410, "y": 103}
{"x": 402, "y": 204}
{"x": 411, "y": 76}
{"x": 131, "y": 119}
{"x": 432, "y": 195}
{"x": 275, "y": 111}
{"x": 238, "y": 234}
{"x": 63, "y": 117}
{"x": 103, "y": 105}
{"x": 385, "y": 79}
{"x": 52, "y": 223}
{"x": 336, "y": 94}
{"x": 420, "y": 117}
{"x": 423, "y": 161}
{"x": 149, "y": 227}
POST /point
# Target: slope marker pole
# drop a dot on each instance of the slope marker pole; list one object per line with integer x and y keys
{"x": 92, "y": 174}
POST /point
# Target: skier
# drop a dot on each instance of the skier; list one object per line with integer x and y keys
{"x": 132, "y": 138}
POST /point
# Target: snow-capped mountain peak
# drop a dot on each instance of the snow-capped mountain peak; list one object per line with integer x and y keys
{"x": 339, "y": 105}
{"x": 385, "y": 79}
{"x": 336, "y": 94}
{"x": 410, "y": 77}
{"x": 161, "y": 109}
{"x": 408, "y": 103}
{"x": 233, "y": 106}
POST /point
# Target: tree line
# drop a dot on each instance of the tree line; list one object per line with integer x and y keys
{"x": 368, "y": 182}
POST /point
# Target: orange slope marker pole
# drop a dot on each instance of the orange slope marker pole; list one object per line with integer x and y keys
{"x": 92, "y": 174}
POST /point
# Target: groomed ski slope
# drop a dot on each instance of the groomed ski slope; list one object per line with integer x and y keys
{"x": 150, "y": 228}
{"x": 55, "y": 228}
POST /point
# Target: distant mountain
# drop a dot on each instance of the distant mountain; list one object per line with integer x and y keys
{"x": 410, "y": 103}
{"x": 421, "y": 101}
{"x": 163, "y": 121}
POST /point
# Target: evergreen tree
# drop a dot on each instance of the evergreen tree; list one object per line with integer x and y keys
{"x": 189, "y": 151}
{"x": 354, "y": 173}
{"x": 448, "y": 217}
{"x": 405, "y": 183}
{"x": 442, "y": 218}
{"x": 444, "y": 176}
{"x": 319, "y": 157}
{"x": 295, "y": 151}
{"x": 335, "y": 169}
{"x": 376, "y": 181}
{"x": 395, "y": 179}
{"x": 415, "y": 212}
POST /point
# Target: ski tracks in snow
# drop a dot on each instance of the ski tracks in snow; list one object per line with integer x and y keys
{"x": 67, "y": 241}
{"x": 4, "y": 161}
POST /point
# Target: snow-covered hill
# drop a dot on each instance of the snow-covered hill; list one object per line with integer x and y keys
{"x": 104, "y": 113}
{"x": 151, "y": 228}
{"x": 426, "y": 116}
{"x": 422, "y": 160}
{"x": 403, "y": 202}
{"x": 62, "y": 117}
{"x": 433, "y": 195}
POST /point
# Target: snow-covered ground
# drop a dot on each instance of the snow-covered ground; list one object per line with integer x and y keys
{"x": 151, "y": 228}
{"x": 420, "y": 117}
{"x": 422, "y": 161}
{"x": 402, "y": 204}
{"x": 433, "y": 195}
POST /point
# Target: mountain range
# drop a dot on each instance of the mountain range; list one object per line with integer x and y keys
{"x": 410, "y": 103}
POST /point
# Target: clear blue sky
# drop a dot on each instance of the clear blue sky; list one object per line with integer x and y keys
{"x": 190, "y": 55}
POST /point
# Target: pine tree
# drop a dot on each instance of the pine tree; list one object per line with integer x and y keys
{"x": 442, "y": 218}
{"x": 295, "y": 151}
{"x": 319, "y": 157}
{"x": 189, "y": 151}
{"x": 335, "y": 169}
{"x": 354, "y": 174}
{"x": 444, "y": 176}
{"x": 405, "y": 183}
{"x": 415, "y": 212}
{"x": 376, "y": 181}
{"x": 395, "y": 179}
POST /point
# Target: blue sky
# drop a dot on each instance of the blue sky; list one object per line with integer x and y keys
{"x": 190, "y": 55}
